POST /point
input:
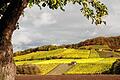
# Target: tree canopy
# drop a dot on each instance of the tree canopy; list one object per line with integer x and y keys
{"x": 11, "y": 10}
{"x": 92, "y": 9}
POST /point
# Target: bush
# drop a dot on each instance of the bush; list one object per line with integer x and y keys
{"x": 115, "y": 69}
{"x": 27, "y": 69}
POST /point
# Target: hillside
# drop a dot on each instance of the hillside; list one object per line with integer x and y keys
{"x": 67, "y": 54}
{"x": 54, "y": 54}
{"x": 111, "y": 42}
{"x": 92, "y": 56}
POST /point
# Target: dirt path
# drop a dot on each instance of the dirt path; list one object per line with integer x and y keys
{"x": 60, "y": 69}
{"x": 69, "y": 77}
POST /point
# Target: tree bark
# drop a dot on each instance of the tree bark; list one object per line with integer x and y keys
{"x": 7, "y": 27}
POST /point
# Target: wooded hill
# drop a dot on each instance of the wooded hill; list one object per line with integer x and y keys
{"x": 112, "y": 42}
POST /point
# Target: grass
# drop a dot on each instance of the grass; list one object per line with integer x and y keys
{"x": 74, "y": 53}
{"x": 83, "y": 66}
{"x": 89, "y": 68}
{"x": 107, "y": 54}
{"x": 95, "y": 47}
{"x": 94, "y": 54}
{"x": 68, "y": 54}
{"x": 41, "y": 54}
{"x": 60, "y": 61}
{"x": 88, "y": 61}
{"x": 64, "y": 53}
{"x": 45, "y": 68}
{"x": 92, "y": 68}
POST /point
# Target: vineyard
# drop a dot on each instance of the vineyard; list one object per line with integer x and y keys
{"x": 77, "y": 61}
{"x": 59, "y": 53}
{"x": 45, "y": 68}
{"x": 92, "y": 68}
{"x": 83, "y": 66}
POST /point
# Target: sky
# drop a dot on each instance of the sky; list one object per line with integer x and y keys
{"x": 42, "y": 27}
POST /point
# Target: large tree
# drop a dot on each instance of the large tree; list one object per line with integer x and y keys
{"x": 11, "y": 10}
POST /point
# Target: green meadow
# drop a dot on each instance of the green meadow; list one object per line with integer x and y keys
{"x": 87, "y": 61}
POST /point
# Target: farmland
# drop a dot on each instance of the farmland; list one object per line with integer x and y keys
{"x": 59, "y": 53}
{"x": 83, "y": 66}
{"x": 87, "y": 61}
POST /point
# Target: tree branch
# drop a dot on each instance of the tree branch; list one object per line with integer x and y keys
{"x": 2, "y": 2}
{"x": 11, "y": 16}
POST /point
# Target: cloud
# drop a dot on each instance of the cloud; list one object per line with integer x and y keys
{"x": 44, "y": 19}
{"x": 40, "y": 27}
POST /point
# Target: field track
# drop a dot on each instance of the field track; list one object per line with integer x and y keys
{"x": 69, "y": 77}
{"x": 60, "y": 69}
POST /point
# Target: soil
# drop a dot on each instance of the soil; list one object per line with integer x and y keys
{"x": 61, "y": 69}
{"x": 68, "y": 77}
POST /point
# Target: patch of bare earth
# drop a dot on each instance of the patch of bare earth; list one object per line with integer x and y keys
{"x": 60, "y": 69}
{"x": 68, "y": 77}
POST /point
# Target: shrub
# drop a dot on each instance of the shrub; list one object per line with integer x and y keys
{"x": 27, "y": 69}
{"x": 115, "y": 69}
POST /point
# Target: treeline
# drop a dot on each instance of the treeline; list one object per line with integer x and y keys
{"x": 45, "y": 48}
{"x": 112, "y": 42}
{"x": 42, "y": 48}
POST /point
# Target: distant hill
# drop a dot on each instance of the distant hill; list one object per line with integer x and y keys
{"x": 92, "y": 56}
{"x": 112, "y": 42}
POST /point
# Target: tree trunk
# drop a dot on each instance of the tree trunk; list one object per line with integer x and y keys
{"x": 7, "y": 27}
{"x": 7, "y": 67}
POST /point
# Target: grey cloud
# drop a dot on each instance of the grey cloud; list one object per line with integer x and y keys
{"x": 41, "y": 27}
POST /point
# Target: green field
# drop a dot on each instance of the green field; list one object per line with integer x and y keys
{"x": 66, "y": 54}
{"x": 93, "y": 54}
{"x": 45, "y": 68}
{"x": 63, "y": 53}
{"x": 95, "y": 47}
{"x": 61, "y": 61}
{"x": 89, "y": 68}
{"x": 88, "y": 61}
{"x": 97, "y": 67}
{"x": 83, "y": 66}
